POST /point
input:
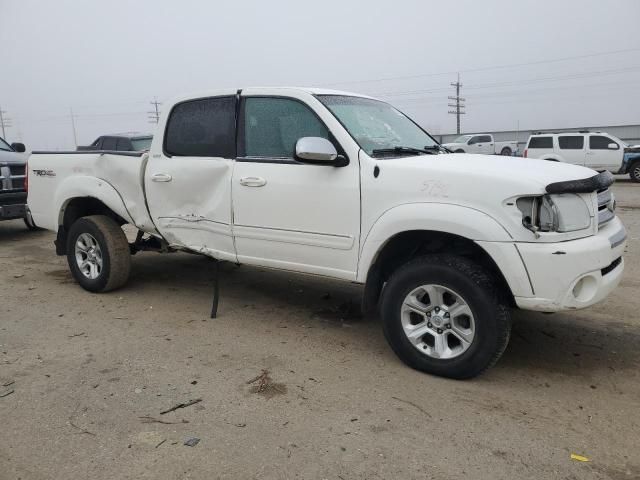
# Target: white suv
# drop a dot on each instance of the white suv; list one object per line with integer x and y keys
{"x": 597, "y": 150}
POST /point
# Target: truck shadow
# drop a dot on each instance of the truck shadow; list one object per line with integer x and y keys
{"x": 575, "y": 343}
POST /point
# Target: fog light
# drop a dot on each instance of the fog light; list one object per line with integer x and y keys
{"x": 585, "y": 288}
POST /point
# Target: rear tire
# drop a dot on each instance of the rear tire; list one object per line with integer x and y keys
{"x": 506, "y": 152}
{"x": 634, "y": 172}
{"x": 98, "y": 253}
{"x": 486, "y": 329}
{"x": 459, "y": 151}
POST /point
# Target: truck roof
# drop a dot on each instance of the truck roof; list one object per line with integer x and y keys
{"x": 265, "y": 90}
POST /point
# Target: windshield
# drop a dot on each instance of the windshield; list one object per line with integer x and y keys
{"x": 5, "y": 146}
{"x": 462, "y": 139}
{"x": 143, "y": 143}
{"x": 376, "y": 125}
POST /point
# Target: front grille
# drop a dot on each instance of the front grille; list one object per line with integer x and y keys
{"x": 611, "y": 267}
{"x": 12, "y": 177}
{"x": 606, "y": 207}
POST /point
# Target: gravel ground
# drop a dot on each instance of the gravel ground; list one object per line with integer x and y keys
{"x": 291, "y": 384}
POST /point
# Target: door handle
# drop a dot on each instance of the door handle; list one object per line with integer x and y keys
{"x": 161, "y": 177}
{"x": 253, "y": 181}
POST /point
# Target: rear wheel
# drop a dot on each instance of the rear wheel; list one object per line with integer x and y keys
{"x": 506, "y": 151}
{"x": 634, "y": 172}
{"x": 98, "y": 253}
{"x": 443, "y": 314}
{"x": 459, "y": 151}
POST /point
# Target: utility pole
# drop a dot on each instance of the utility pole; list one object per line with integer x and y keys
{"x": 5, "y": 122}
{"x": 154, "y": 116}
{"x": 73, "y": 126}
{"x": 459, "y": 105}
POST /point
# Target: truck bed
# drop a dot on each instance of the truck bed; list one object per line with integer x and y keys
{"x": 57, "y": 177}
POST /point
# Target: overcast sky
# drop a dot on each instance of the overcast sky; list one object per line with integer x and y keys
{"x": 108, "y": 59}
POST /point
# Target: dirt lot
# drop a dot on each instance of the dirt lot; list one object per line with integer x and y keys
{"x": 91, "y": 374}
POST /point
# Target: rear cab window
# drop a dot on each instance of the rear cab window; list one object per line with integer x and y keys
{"x": 202, "y": 128}
{"x": 108, "y": 143}
{"x": 124, "y": 145}
{"x": 541, "y": 142}
{"x": 571, "y": 142}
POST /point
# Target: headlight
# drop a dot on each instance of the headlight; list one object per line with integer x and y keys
{"x": 564, "y": 212}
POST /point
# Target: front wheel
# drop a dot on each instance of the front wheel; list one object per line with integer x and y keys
{"x": 445, "y": 315}
{"x": 634, "y": 172}
{"x": 98, "y": 253}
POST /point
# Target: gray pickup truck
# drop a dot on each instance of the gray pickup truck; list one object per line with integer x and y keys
{"x": 13, "y": 191}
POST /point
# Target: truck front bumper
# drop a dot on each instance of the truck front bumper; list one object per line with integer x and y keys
{"x": 13, "y": 205}
{"x": 576, "y": 273}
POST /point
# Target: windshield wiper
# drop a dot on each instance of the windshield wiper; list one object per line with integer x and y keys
{"x": 438, "y": 148}
{"x": 399, "y": 149}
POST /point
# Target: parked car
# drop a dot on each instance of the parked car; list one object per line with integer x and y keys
{"x": 13, "y": 195}
{"x": 598, "y": 150}
{"x": 347, "y": 187}
{"x": 482, "y": 143}
{"x": 120, "y": 143}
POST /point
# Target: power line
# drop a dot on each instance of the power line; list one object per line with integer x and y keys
{"x": 5, "y": 122}
{"x": 572, "y": 76}
{"x": 154, "y": 116}
{"x": 482, "y": 69}
{"x": 73, "y": 126}
{"x": 459, "y": 105}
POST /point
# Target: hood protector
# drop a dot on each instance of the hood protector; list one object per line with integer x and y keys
{"x": 586, "y": 185}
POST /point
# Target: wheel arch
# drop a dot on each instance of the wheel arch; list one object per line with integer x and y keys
{"x": 82, "y": 196}
{"x": 417, "y": 229}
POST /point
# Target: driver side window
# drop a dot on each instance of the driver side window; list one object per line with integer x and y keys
{"x": 272, "y": 126}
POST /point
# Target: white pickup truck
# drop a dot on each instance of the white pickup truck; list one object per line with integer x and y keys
{"x": 482, "y": 143}
{"x": 345, "y": 186}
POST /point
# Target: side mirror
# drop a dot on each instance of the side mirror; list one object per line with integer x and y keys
{"x": 316, "y": 150}
{"x": 19, "y": 147}
{"x": 612, "y": 146}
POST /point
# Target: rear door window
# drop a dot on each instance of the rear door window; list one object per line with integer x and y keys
{"x": 202, "y": 128}
{"x": 484, "y": 139}
{"x": 541, "y": 142}
{"x": 571, "y": 142}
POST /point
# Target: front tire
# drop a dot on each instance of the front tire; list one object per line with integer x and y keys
{"x": 445, "y": 315}
{"x": 634, "y": 172}
{"x": 98, "y": 253}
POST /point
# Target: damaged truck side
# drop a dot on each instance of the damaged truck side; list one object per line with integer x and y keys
{"x": 345, "y": 186}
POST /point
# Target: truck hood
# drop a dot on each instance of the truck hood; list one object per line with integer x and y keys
{"x": 519, "y": 176}
{"x": 486, "y": 183}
